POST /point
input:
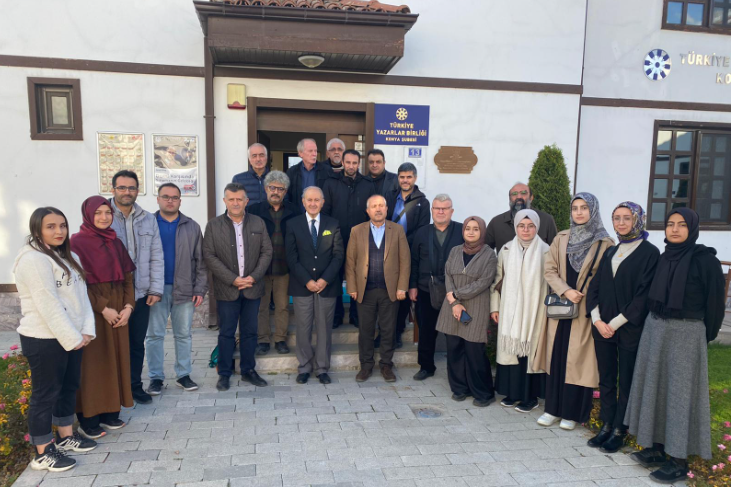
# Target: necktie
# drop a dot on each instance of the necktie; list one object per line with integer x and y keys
{"x": 313, "y": 231}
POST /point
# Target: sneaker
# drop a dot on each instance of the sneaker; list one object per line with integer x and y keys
{"x": 92, "y": 433}
{"x": 113, "y": 424}
{"x": 526, "y": 407}
{"x": 75, "y": 442}
{"x": 155, "y": 387}
{"x": 53, "y": 460}
{"x": 141, "y": 397}
{"x": 547, "y": 419}
{"x": 186, "y": 383}
{"x": 223, "y": 383}
{"x": 508, "y": 403}
{"x": 567, "y": 424}
{"x": 671, "y": 472}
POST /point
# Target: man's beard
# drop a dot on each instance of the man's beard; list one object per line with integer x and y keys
{"x": 519, "y": 204}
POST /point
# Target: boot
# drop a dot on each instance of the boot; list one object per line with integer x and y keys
{"x": 601, "y": 437}
{"x": 615, "y": 442}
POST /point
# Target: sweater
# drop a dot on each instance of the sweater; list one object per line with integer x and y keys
{"x": 53, "y": 306}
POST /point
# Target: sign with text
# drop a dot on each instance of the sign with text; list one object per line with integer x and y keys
{"x": 401, "y": 125}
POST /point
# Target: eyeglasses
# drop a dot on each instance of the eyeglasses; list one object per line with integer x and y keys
{"x": 441, "y": 210}
{"x": 122, "y": 189}
{"x": 619, "y": 219}
{"x": 170, "y": 198}
{"x": 276, "y": 189}
{"x": 521, "y": 193}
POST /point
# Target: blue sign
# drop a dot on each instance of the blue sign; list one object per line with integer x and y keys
{"x": 415, "y": 152}
{"x": 401, "y": 125}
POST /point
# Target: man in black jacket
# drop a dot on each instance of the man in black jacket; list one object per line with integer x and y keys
{"x": 408, "y": 207}
{"x": 429, "y": 252}
{"x": 346, "y": 194}
{"x": 276, "y": 213}
{"x": 314, "y": 255}
{"x": 383, "y": 181}
{"x": 307, "y": 173}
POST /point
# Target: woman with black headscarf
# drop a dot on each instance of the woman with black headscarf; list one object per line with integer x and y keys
{"x": 617, "y": 299}
{"x": 669, "y": 409}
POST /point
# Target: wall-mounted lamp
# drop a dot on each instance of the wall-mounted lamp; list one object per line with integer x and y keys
{"x": 236, "y": 96}
{"x": 311, "y": 60}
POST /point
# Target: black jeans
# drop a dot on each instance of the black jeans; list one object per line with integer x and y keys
{"x": 376, "y": 306}
{"x": 615, "y": 362}
{"x": 243, "y": 313}
{"x": 137, "y": 328}
{"x": 55, "y": 375}
{"x": 427, "y": 318}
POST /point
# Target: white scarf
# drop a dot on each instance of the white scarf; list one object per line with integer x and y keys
{"x": 521, "y": 300}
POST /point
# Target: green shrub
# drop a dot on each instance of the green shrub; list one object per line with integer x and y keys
{"x": 15, "y": 389}
{"x": 549, "y": 183}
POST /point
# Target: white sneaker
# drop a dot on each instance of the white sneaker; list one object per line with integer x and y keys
{"x": 567, "y": 425}
{"x": 547, "y": 419}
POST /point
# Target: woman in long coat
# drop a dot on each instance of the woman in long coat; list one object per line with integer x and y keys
{"x": 669, "y": 408}
{"x": 617, "y": 299}
{"x": 517, "y": 306}
{"x": 105, "y": 369}
{"x": 469, "y": 272}
{"x": 566, "y": 348}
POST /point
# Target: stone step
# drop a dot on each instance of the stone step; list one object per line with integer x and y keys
{"x": 344, "y": 334}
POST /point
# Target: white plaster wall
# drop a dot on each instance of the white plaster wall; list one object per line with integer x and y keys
{"x": 620, "y": 33}
{"x": 64, "y": 173}
{"x": 615, "y": 154}
{"x": 506, "y": 130}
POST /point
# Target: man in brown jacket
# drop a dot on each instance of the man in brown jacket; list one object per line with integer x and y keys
{"x": 377, "y": 270}
{"x": 237, "y": 250}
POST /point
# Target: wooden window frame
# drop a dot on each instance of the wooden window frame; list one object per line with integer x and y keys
{"x": 36, "y": 130}
{"x": 697, "y": 128}
{"x": 706, "y": 28}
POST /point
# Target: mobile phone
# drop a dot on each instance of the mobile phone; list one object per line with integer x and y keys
{"x": 465, "y": 318}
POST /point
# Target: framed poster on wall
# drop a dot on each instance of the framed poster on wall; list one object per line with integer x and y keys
{"x": 175, "y": 160}
{"x": 117, "y": 151}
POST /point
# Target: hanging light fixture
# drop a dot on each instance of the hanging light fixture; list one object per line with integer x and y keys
{"x": 311, "y": 60}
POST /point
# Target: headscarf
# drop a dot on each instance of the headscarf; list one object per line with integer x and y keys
{"x": 582, "y": 237}
{"x": 639, "y": 220}
{"x": 102, "y": 254}
{"x": 473, "y": 248}
{"x": 533, "y": 217}
{"x": 668, "y": 286}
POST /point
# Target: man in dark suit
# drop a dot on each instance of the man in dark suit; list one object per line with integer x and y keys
{"x": 314, "y": 256}
{"x": 307, "y": 173}
{"x": 383, "y": 181}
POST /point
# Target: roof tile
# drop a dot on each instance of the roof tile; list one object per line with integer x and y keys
{"x": 353, "y": 5}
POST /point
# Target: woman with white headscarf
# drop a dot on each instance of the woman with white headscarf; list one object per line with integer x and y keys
{"x": 517, "y": 306}
{"x": 566, "y": 348}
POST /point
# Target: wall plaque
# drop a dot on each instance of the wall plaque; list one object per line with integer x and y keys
{"x": 455, "y": 160}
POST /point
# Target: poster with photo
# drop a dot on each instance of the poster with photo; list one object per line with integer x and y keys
{"x": 117, "y": 151}
{"x": 175, "y": 160}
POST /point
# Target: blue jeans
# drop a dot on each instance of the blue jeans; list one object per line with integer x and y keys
{"x": 243, "y": 313}
{"x": 182, "y": 319}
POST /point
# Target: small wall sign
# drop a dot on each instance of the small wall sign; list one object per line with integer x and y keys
{"x": 455, "y": 160}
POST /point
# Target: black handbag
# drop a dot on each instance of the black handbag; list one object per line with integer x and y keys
{"x": 559, "y": 308}
{"x": 437, "y": 287}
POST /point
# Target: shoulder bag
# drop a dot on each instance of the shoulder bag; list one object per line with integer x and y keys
{"x": 559, "y": 308}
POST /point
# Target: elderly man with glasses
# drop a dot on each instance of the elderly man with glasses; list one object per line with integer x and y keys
{"x": 335, "y": 150}
{"x": 276, "y": 211}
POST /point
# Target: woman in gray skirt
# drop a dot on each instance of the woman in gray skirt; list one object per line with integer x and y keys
{"x": 669, "y": 410}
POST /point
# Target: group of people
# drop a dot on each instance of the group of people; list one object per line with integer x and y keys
{"x": 573, "y": 310}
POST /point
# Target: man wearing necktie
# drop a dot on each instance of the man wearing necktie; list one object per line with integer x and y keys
{"x": 314, "y": 256}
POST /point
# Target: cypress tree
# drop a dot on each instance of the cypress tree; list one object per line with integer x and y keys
{"x": 549, "y": 183}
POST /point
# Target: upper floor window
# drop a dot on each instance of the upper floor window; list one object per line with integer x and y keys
{"x": 697, "y": 15}
{"x": 55, "y": 109}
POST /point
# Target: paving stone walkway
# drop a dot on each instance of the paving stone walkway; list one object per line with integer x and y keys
{"x": 374, "y": 434}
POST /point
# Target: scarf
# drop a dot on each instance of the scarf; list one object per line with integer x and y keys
{"x": 533, "y": 217}
{"x": 102, "y": 254}
{"x": 668, "y": 286}
{"x": 639, "y": 219}
{"x": 582, "y": 237}
{"x": 473, "y": 248}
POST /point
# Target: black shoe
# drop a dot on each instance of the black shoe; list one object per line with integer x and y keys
{"x": 253, "y": 378}
{"x": 615, "y": 442}
{"x": 155, "y": 387}
{"x": 509, "y": 403}
{"x": 671, "y": 471}
{"x": 324, "y": 378}
{"x": 141, "y": 397}
{"x": 92, "y": 433}
{"x": 423, "y": 374}
{"x": 601, "y": 437}
{"x": 650, "y": 457}
{"x": 186, "y": 383}
{"x": 53, "y": 460}
{"x": 399, "y": 343}
{"x": 262, "y": 349}
{"x": 483, "y": 403}
{"x": 281, "y": 347}
{"x": 113, "y": 424}
{"x": 526, "y": 407}
{"x": 223, "y": 383}
{"x": 75, "y": 442}
{"x": 303, "y": 378}
{"x": 459, "y": 397}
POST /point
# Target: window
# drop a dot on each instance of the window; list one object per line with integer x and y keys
{"x": 691, "y": 167}
{"x": 712, "y": 16}
{"x": 55, "y": 109}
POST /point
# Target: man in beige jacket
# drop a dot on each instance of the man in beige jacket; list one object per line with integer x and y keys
{"x": 377, "y": 269}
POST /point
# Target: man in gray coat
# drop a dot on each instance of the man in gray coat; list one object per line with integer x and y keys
{"x": 138, "y": 231}
{"x": 186, "y": 284}
{"x": 237, "y": 251}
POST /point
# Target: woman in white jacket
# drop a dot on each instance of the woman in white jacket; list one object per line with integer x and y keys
{"x": 57, "y": 323}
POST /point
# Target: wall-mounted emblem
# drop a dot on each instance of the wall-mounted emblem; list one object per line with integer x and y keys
{"x": 455, "y": 160}
{"x": 657, "y": 64}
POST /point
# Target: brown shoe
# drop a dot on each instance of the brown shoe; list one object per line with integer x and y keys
{"x": 387, "y": 373}
{"x": 363, "y": 375}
